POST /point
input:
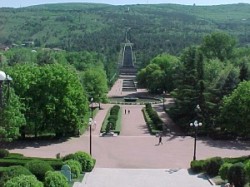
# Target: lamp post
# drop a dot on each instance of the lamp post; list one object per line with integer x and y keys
{"x": 91, "y": 122}
{"x": 196, "y": 124}
{"x": 3, "y": 78}
{"x": 163, "y": 100}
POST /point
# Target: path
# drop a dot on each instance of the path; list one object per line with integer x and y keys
{"x": 133, "y": 123}
{"x": 144, "y": 178}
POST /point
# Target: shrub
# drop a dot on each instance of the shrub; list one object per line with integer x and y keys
{"x": 197, "y": 166}
{"x": 15, "y": 155}
{"x": 83, "y": 158}
{"x": 108, "y": 127}
{"x": 113, "y": 118}
{"x": 55, "y": 179}
{"x": 4, "y": 153}
{"x": 247, "y": 169}
{"x": 114, "y": 110}
{"x": 154, "y": 117}
{"x": 24, "y": 181}
{"x": 10, "y": 161}
{"x": 213, "y": 165}
{"x": 237, "y": 175}
{"x": 223, "y": 171}
{"x": 75, "y": 167}
{"x": 13, "y": 171}
{"x": 39, "y": 168}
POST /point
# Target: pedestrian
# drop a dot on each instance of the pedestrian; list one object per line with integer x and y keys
{"x": 160, "y": 140}
{"x": 128, "y": 111}
{"x": 125, "y": 111}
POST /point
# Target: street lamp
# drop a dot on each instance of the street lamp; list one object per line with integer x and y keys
{"x": 196, "y": 124}
{"x": 163, "y": 100}
{"x": 91, "y": 122}
{"x": 90, "y": 126}
{"x": 4, "y": 78}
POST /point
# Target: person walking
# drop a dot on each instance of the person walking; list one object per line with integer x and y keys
{"x": 125, "y": 111}
{"x": 160, "y": 140}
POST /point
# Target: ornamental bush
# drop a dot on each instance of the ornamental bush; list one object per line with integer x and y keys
{"x": 13, "y": 171}
{"x": 247, "y": 169}
{"x": 213, "y": 165}
{"x": 114, "y": 110}
{"x": 237, "y": 175}
{"x": 223, "y": 171}
{"x": 197, "y": 166}
{"x": 75, "y": 167}
{"x": 4, "y": 153}
{"x": 23, "y": 181}
{"x": 55, "y": 179}
{"x": 83, "y": 158}
{"x": 39, "y": 168}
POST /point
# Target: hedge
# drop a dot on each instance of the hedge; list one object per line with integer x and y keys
{"x": 13, "y": 171}
{"x": 39, "y": 168}
{"x": 4, "y": 153}
{"x": 198, "y": 166}
{"x": 24, "y": 181}
{"x": 55, "y": 179}
{"x": 10, "y": 161}
{"x": 152, "y": 129}
{"x": 112, "y": 118}
{"x": 86, "y": 161}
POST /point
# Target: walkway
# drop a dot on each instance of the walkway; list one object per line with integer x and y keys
{"x": 136, "y": 149}
{"x": 133, "y": 123}
{"x": 143, "y": 178}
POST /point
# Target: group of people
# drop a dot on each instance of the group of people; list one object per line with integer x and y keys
{"x": 126, "y": 111}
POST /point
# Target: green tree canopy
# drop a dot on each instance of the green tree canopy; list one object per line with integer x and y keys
{"x": 218, "y": 45}
{"x": 11, "y": 118}
{"x": 95, "y": 83}
{"x": 235, "y": 110}
{"x": 54, "y": 98}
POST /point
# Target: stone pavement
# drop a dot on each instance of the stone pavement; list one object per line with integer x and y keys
{"x": 106, "y": 177}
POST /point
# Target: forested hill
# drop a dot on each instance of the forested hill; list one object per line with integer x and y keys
{"x": 102, "y": 28}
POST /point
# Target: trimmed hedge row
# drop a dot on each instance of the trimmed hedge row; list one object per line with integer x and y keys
{"x": 86, "y": 161}
{"x": 235, "y": 170}
{"x": 10, "y": 161}
{"x": 112, "y": 121}
{"x": 156, "y": 120}
{"x": 150, "y": 123}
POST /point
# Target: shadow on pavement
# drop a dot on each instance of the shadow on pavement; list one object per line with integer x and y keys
{"x": 32, "y": 142}
{"x": 226, "y": 144}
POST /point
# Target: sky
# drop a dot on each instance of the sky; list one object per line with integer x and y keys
{"x": 24, "y": 3}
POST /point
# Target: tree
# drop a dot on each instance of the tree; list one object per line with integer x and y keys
{"x": 187, "y": 91}
{"x": 239, "y": 100}
{"x": 55, "y": 178}
{"x": 95, "y": 83}
{"x": 244, "y": 72}
{"x": 54, "y": 98}
{"x": 151, "y": 74}
{"x": 61, "y": 100}
{"x": 168, "y": 64}
{"x": 218, "y": 45}
{"x": 24, "y": 181}
{"x": 11, "y": 118}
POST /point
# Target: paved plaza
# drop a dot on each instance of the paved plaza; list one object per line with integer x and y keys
{"x": 135, "y": 155}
